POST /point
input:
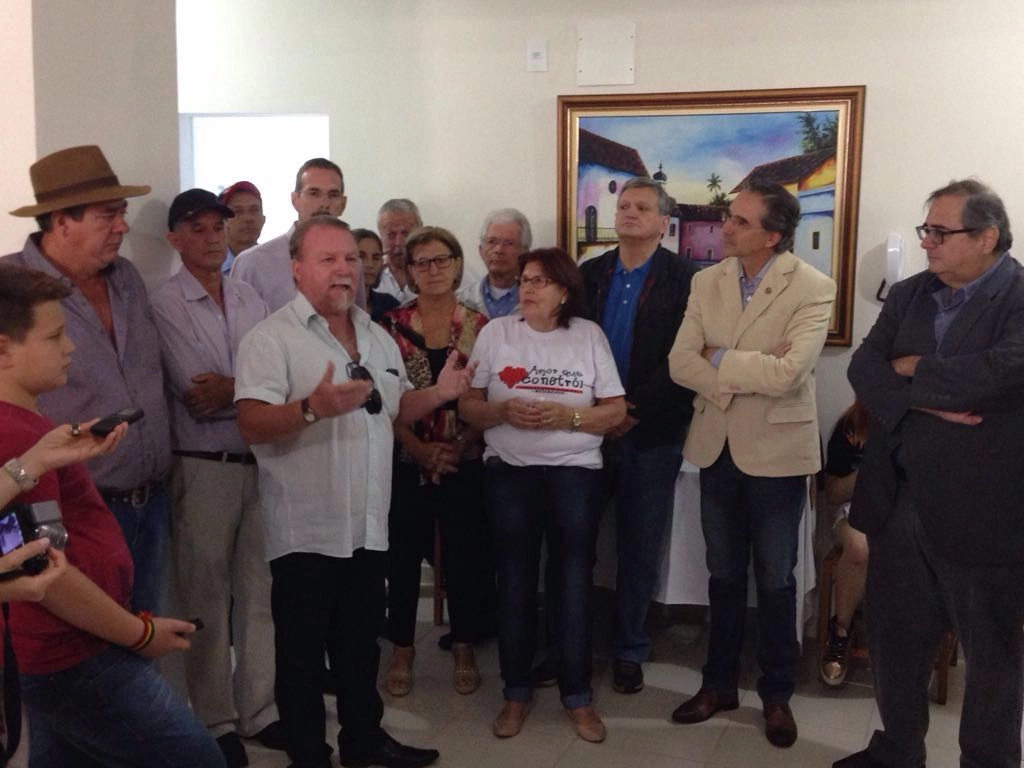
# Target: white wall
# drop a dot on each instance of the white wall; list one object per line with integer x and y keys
{"x": 17, "y": 120}
{"x": 105, "y": 74}
{"x": 430, "y": 99}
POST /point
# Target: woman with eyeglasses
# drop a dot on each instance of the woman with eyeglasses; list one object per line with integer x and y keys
{"x": 438, "y": 472}
{"x": 545, "y": 391}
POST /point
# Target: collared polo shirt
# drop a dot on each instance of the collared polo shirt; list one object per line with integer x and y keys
{"x": 620, "y": 307}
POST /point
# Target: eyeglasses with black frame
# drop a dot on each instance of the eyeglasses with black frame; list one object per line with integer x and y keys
{"x": 441, "y": 262}
{"x": 356, "y": 372}
{"x": 938, "y": 234}
{"x": 537, "y": 281}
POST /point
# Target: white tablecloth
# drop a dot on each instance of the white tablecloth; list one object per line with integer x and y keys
{"x": 684, "y": 573}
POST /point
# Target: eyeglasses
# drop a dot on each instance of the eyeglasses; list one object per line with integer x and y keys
{"x": 937, "y": 234}
{"x": 357, "y": 372}
{"x": 537, "y": 281}
{"x": 494, "y": 242}
{"x": 441, "y": 262}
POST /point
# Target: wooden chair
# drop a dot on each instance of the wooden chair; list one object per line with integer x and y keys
{"x": 947, "y": 656}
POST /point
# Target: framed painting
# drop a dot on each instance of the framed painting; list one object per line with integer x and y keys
{"x": 703, "y": 147}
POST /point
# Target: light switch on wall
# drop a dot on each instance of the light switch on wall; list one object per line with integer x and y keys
{"x": 537, "y": 54}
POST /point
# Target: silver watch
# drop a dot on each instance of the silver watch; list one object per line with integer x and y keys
{"x": 23, "y": 479}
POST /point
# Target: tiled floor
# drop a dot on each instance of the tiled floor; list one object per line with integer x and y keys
{"x": 832, "y": 723}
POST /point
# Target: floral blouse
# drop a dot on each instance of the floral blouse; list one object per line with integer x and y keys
{"x": 406, "y": 328}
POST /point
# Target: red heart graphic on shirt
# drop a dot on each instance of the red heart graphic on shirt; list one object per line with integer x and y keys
{"x": 512, "y": 376}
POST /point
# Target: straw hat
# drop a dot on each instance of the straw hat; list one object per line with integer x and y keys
{"x": 74, "y": 176}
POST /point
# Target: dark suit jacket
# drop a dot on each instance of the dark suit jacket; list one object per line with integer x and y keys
{"x": 967, "y": 481}
{"x": 663, "y": 408}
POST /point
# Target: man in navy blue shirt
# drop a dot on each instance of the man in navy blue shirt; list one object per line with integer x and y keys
{"x": 638, "y": 292}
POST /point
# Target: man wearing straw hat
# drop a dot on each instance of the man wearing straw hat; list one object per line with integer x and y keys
{"x": 80, "y": 207}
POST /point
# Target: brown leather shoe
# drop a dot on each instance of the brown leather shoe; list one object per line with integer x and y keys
{"x": 466, "y": 675}
{"x": 702, "y": 706}
{"x": 779, "y": 725}
{"x": 588, "y": 725}
{"x": 399, "y": 677}
{"x": 510, "y": 721}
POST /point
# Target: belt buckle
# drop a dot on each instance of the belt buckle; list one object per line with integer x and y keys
{"x": 139, "y": 497}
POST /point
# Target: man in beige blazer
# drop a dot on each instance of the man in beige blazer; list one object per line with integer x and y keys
{"x": 754, "y": 327}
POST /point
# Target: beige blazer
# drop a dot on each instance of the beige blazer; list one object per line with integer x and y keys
{"x": 763, "y": 405}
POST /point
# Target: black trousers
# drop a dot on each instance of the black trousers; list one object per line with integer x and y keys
{"x": 336, "y": 605}
{"x": 466, "y": 541}
{"x": 913, "y": 595}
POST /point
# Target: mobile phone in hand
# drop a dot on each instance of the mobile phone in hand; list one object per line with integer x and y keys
{"x": 106, "y": 425}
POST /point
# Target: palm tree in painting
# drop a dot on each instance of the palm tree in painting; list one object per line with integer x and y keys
{"x": 715, "y": 188}
{"x": 818, "y": 136}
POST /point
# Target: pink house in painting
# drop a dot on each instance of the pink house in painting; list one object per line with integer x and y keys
{"x": 700, "y": 232}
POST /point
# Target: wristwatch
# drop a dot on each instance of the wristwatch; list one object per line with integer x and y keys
{"x": 577, "y": 420}
{"x": 307, "y": 412}
{"x": 22, "y": 479}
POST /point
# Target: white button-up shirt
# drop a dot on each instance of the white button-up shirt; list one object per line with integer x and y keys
{"x": 327, "y": 488}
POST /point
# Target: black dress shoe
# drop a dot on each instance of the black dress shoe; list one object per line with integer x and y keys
{"x": 233, "y": 750}
{"x": 862, "y": 759}
{"x": 627, "y": 676}
{"x": 779, "y": 725}
{"x": 702, "y": 706}
{"x": 390, "y": 754}
{"x": 272, "y": 737}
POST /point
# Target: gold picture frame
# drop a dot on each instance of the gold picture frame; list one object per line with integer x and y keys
{"x": 703, "y": 146}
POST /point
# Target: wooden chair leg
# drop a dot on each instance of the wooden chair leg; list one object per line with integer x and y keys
{"x": 825, "y": 579}
{"x": 440, "y": 593}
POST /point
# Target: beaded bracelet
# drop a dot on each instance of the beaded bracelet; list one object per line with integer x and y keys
{"x": 148, "y": 631}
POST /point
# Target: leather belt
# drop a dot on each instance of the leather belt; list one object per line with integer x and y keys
{"x": 224, "y": 457}
{"x": 137, "y": 497}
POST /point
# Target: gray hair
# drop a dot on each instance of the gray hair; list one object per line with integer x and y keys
{"x": 666, "y": 203}
{"x": 983, "y": 209}
{"x": 510, "y": 216}
{"x": 401, "y": 205}
{"x": 781, "y": 211}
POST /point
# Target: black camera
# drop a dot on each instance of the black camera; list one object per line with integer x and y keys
{"x": 21, "y": 523}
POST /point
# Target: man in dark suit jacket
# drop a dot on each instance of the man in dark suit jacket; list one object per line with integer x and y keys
{"x": 637, "y": 293}
{"x": 940, "y": 492}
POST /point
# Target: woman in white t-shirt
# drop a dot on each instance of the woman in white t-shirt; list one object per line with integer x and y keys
{"x": 545, "y": 390}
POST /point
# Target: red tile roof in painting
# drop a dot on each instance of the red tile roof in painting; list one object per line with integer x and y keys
{"x": 598, "y": 150}
{"x": 788, "y": 170}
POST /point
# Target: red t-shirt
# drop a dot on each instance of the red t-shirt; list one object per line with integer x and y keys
{"x": 44, "y": 643}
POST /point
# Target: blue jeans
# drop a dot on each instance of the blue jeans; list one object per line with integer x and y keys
{"x": 146, "y": 532}
{"x": 563, "y": 504}
{"x": 116, "y": 710}
{"x": 742, "y": 514}
{"x": 643, "y": 481}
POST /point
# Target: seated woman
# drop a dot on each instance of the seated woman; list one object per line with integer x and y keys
{"x": 845, "y": 449}
{"x": 371, "y": 252}
{"x": 91, "y": 695}
{"x": 439, "y": 472}
{"x": 544, "y": 393}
